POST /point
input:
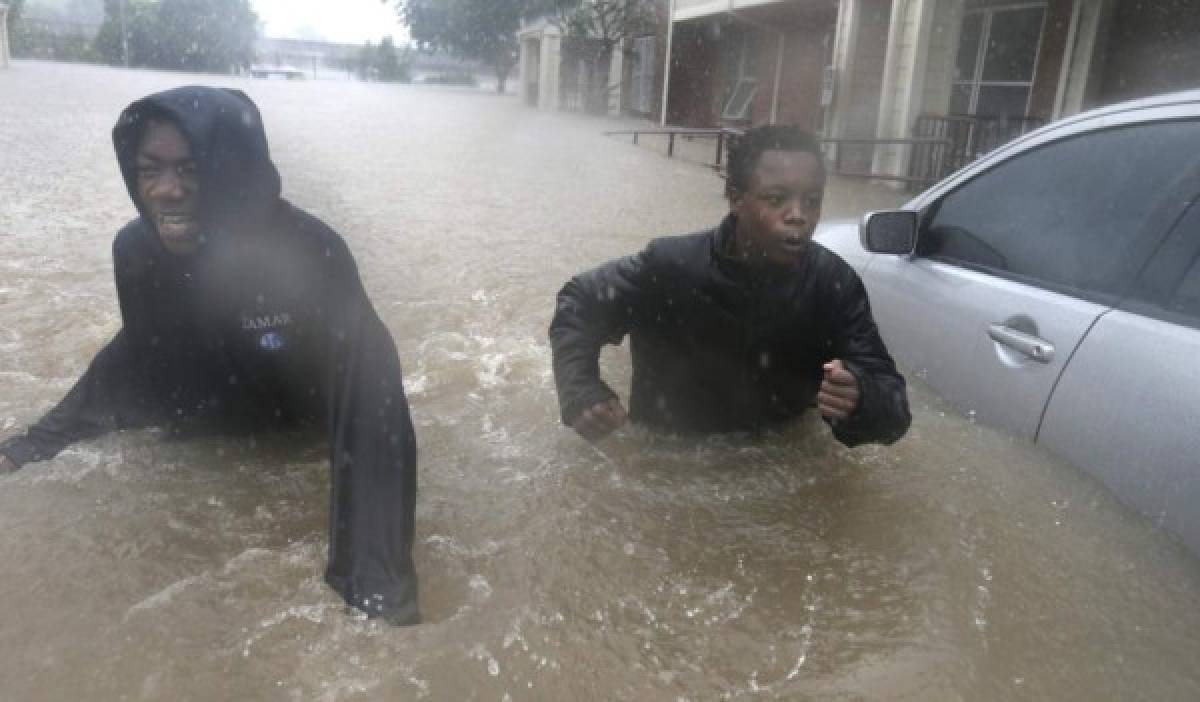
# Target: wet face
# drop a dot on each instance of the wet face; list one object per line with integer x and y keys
{"x": 778, "y": 212}
{"x": 168, "y": 187}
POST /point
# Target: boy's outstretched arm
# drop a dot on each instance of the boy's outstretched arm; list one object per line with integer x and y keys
{"x": 94, "y": 406}
{"x": 594, "y": 308}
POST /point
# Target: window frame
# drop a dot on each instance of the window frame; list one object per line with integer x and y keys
{"x": 744, "y": 83}
{"x": 1165, "y": 273}
{"x": 1161, "y": 222}
{"x": 975, "y": 82}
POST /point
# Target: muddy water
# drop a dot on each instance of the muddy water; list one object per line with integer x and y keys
{"x": 957, "y": 565}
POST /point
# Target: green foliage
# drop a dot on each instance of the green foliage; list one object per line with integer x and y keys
{"x": 14, "y": 19}
{"x": 391, "y": 70}
{"x": 384, "y": 63}
{"x": 215, "y": 36}
{"x": 14, "y": 11}
{"x": 141, "y": 33}
{"x": 608, "y": 21}
{"x": 31, "y": 41}
{"x": 482, "y": 30}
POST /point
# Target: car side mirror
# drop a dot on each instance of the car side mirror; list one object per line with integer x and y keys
{"x": 889, "y": 232}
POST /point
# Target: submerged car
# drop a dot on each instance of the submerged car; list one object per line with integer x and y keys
{"x": 1052, "y": 289}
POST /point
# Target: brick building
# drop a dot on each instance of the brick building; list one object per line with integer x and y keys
{"x": 975, "y": 71}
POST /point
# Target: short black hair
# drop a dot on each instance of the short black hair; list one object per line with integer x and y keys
{"x": 746, "y": 149}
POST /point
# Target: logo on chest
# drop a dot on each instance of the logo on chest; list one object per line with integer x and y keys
{"x": 271, "y": 338}
{"x": 266, "y": 321}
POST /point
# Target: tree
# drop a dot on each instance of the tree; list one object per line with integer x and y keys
{"x": 14, "y": 11}
{"x": 390, "y": 69}
{"x": 14, "y": 17}
{"x": 483, "y": 30}
{"x": 136, "y": 45}
{"x": 215, "y": 36}
{"x": 366, "y": 62}
{"x": 382, "y": 63}
{"x": 599, "y": 27}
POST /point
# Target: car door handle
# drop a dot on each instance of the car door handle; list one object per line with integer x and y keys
{"x": 1032, "y": 346}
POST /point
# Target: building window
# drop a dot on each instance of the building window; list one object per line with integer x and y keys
{"x": 997, "y": 56}
{"x": 742, "y": 72}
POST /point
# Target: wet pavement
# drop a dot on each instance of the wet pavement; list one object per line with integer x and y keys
{"x": 957, "y": 565}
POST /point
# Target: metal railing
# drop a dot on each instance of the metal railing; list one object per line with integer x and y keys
{"x": 940, "y": 145}
{"x": 931, "y": 151}
{"x": 721, "y": 134}
{"x": 970, "y": 137}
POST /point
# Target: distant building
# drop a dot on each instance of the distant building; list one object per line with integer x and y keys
{"x": 308, "y": 58}
{"x": 441, "y": 67}
{"x": 304, "y": 58}
{"x": 285, "y": 72}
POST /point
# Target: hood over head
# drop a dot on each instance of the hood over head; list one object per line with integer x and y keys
{"x": 238, "y": 182}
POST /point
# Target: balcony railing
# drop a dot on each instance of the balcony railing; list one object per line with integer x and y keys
{"x": 969, "y": 137}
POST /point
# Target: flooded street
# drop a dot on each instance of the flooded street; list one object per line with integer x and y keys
{"x": 956, "y": 565}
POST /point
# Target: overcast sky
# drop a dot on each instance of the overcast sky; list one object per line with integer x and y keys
{"x": 344, "y": 21}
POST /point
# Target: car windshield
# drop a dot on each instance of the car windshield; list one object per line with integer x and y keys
{"x": 218, "y": 218}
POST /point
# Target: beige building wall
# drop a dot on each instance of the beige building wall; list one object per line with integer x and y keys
{"x": 860, "y": 50}
{"x": 859, "y": 55}
{"x": 943, "y": 49}
{"x": 918, "y": 72}
{"x": 616, "y": 72}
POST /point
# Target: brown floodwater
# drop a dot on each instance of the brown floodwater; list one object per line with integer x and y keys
{"x": 958, "y": 564}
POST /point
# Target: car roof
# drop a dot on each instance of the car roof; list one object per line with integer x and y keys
{"x": 1183, "y": 97}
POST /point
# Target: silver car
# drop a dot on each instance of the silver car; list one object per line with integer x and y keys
{"x": 1052, "y": 289}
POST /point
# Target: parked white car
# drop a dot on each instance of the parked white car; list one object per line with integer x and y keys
{"x": 1052, "y": 288}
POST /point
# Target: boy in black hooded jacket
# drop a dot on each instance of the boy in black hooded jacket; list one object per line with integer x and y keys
{"x": 243, "y": 313}
{"x": 737, "y": 328}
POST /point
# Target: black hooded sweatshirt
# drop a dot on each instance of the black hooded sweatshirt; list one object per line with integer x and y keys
{"x": 721, "y": 346}
{"x": 266, "y": 326}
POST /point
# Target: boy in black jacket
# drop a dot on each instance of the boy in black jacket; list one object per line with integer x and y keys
{"x": 738, "y": 327}
{"x": 242, "y": 313}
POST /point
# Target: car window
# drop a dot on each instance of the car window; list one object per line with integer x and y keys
{"x": 1071, "y": 214}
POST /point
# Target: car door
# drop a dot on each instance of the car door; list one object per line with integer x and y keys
{"x": 1015, "y": 264}
{"x": 1128, "y": 404}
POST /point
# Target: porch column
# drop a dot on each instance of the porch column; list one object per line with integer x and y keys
{"x": 616, "y": 78}
{"x": 1085, "y": 52}
{"x": 845, "y": 48}
{"x": 918, "y": 72}
{"x": 523, "y": 69}
{"x": 3, "y": 35}
{"x": 548, "y": 68}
